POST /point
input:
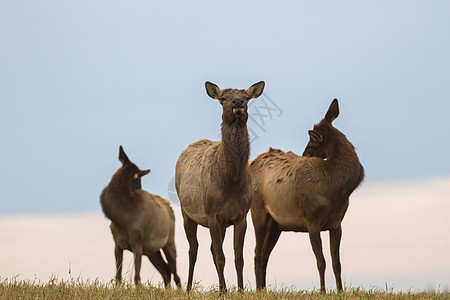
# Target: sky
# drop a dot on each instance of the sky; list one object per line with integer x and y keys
{"x": 80, "y": 78}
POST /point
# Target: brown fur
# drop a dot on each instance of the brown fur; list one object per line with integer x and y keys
{"x": 307, "y": 193}
{"x": 141, "y": 222}
{"x": 213, "y": 183}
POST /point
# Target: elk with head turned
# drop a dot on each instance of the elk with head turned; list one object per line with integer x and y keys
{"x": 141, "y": 222}
{"x": 308, "y": 193}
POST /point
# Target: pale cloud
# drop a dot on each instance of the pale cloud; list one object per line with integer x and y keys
{"x": 395, "y": 234}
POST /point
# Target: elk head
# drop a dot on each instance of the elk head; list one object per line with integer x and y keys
{"x": 320, "y": 138}
{"x": 234, "y": 102}
{"x": 129, "y": 173}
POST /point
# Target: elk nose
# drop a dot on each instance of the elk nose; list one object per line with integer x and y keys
{"x": 238, "y": 102}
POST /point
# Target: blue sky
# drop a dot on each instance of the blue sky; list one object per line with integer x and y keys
{"x": 80, "y": 78}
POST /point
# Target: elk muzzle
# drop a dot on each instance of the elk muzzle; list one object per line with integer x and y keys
{"x": 238, "y": 110}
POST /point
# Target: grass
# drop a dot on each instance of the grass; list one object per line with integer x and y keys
{"x": 85, "y": 289}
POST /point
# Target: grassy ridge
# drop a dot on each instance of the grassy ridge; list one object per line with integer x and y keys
{"x": 79, "y": 289}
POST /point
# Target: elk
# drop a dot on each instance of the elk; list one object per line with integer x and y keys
{"x": 308, "y": 193}
{"x": 141, "y": 222}
{"x": 213, "y": 183}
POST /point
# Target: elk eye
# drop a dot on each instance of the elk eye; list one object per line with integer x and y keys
{"x": 136, "y": 176}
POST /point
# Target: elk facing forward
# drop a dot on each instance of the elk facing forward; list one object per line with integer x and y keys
{"x": 213, "y": 183}
{"x": 140, "y": 222}
{"x": 305, "y": 194}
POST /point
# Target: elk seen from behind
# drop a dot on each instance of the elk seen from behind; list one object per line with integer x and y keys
{"x": 141, "y": 222}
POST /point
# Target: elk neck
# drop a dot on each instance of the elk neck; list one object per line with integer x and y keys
{"x": 343, "y": 164}
{"x": 234, "y": 150}
{"x": 117, "y": 198}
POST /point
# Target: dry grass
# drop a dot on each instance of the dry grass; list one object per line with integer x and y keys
{"x": 85, "y": 289}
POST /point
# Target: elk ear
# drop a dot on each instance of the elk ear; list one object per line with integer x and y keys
{"x": 213, "y": 90}
{"x": 123, "y": 157}
{"x": 315, "y": 136}
{"x": 144, "y": 172}
{"x": 333, "y": 111}
{"x": 255, "y": 90}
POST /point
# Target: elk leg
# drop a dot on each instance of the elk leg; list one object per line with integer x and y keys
{"x": 267, "y": 234}
{"x": 160, "y": 265}
{"x": 137, "y": 265}
{"x": 171, "y": 255}
{"x": 272, "y": 234}
{"x": 212, "y": 246}
{"x": 239, "y": 236}
{"x": 335, "y": 241}
{"x": 259, "y": 220}
{"x": 190, "y": 228}
{"x": 316, "y": 243}
{"x": 217, "y": 234}
{"x": 118, "y": 253}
